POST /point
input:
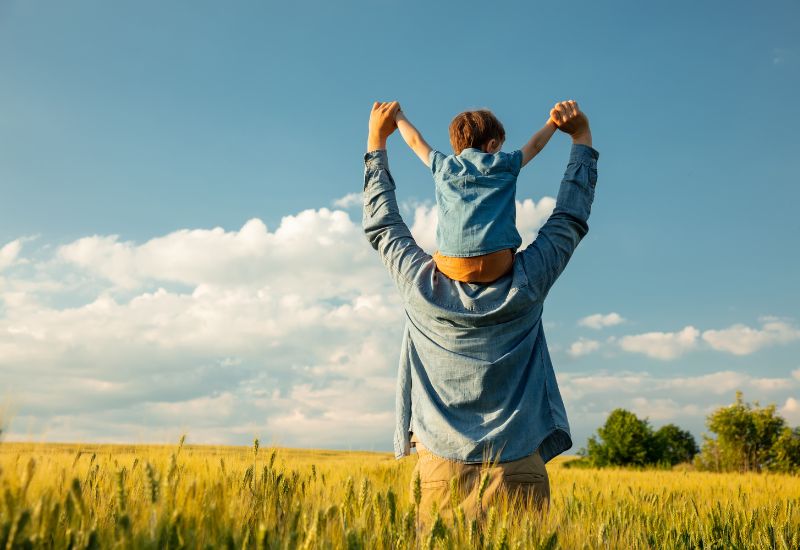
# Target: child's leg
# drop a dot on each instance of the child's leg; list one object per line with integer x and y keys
{"x": 476, "y": 269}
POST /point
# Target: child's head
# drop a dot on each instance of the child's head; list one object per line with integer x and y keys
{"x": 477, "y": 129}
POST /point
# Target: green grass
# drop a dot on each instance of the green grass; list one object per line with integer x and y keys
{"x": 142, "y": 496}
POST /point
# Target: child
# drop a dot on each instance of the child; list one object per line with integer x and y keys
{"x": 475, "y": 191}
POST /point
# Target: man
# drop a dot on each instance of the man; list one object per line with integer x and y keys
{"x": 475, "y": 381}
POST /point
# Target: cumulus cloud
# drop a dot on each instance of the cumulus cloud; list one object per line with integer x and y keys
{"x": 743, "y": 340}
{"x": 682, "y": 399}
{"x": 662, "y": 345}
{"x": 531, "y": 216}
{"x": 791, "y": 411}
{"x": 738, "y": 339}
{"x": 289, "y": 333}
{"x": 424, "y": 227}
{"x": 273, "y": 331}
{"x": 349, "y": 200}
{"x": 580, "y": 385}
{"x": 664, "y": 409}
{"x": 226, "y": 333}
{"x": 9, "y": 253}
{"x": 583, "y": 346}
{"x": 599, "y": 321}
{"x": 250, "y": 256}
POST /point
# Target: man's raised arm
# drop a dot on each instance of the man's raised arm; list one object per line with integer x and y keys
{"x": 547, "y": 256}
{"x": 382, "y": 223}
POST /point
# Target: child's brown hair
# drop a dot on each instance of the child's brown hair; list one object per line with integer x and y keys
{"x": 475, "y": 129}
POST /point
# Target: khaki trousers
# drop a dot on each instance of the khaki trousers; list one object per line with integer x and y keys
{"x": 524, "y": 481}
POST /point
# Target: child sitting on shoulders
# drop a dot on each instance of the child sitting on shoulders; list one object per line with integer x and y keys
{"x": 476, "y": 234}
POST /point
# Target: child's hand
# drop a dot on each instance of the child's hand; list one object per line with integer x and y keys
{"x": 399, "y": 115}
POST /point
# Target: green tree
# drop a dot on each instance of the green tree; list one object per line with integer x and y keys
{"x": 746, "y": 435}
{"x": 624, "y": 440}
{"x": 786, "y": 451}
{"x": 672, "y": 445}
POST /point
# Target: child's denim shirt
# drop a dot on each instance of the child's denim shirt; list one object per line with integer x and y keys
{"x": 475, "y": 192}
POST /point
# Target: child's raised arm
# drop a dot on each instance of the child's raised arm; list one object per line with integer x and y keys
{"x": 538, "y": 141}
{"x": 413, "y": 138}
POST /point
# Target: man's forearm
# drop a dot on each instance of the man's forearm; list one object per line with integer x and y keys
{"x": 382, "y": 220}
{"x": 383, "y": 224}
{"x": 375, "y": 142}
{"x": 549, "y": 253}
{"x": 583, "y": 138}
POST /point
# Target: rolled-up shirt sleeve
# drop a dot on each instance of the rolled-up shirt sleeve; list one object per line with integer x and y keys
{"x": 547, "y": 256}
{"x": 384, "y": 226}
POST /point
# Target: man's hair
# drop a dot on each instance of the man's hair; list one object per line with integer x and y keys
{"x": 475, "y": 129}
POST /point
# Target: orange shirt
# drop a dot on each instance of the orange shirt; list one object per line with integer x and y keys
{"x": 476, "y": 269}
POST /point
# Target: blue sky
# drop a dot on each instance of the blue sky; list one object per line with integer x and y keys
{"x": 128, "y": 132}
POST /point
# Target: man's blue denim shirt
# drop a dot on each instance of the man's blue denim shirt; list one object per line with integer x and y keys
{"x": 475, "y": 376}
{"x": 475, "y": 194}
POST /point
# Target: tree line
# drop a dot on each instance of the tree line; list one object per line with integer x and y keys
{"x": 746, "y": 437}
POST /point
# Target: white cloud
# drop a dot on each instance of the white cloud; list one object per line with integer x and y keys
{"x": 582, "y": 385}
{"x": 229, "y": 334}
{"x": 531, "y": 216}
{"x": 743, "y": 340}
{"x": 682, "y": 399}
{"x": 424, "y": 227}
{"x": 311, "y": 252}
{"x": 349, "y": 200}
{"x": 583, "y": 346}
{"x": 9, "y": 253}
{"x": 599, "y": 321}
{"x": 791, "y": 411}
{"x": 662, "y": 345}
{"x": 664, "y": 409}
{"x": 718, "y": 383}
{"x": 737, "y": 339}
{"x": 226, "y": 334}
{"x": 768, "y": 384}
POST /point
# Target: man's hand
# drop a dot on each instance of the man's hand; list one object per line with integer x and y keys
{"x": 381, "y": 124}
{"x": 570, "y": 119}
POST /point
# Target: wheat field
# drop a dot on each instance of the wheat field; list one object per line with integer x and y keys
{"x": 186, "y": 496}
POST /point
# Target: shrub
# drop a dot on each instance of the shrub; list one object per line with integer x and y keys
{"x": 623, "y": 440}
{"x": 672, "y": 445}
{"x": 786, "y": 451}
{"x": 746, "y": 439}
{"x": 627, "y": 440}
